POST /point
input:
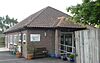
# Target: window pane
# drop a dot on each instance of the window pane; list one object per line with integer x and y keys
{"x": 19, "y": 37}
{"x": 11, "y": 39}
{"x": 68, "y": 54}
{"x": 24, "y": 37}
{"x": 62, "y": 47}
{"x": 74, "y": 43}
{"x": 62, "y": 39}
{"x": 69, "y": 49}
{"x": 15, "y": 39}
{"x": 34, "y": 37}
{"x": 62, "y": 51}
{"x": 68, "y": 39}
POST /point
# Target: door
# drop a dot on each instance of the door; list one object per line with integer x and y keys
{"x": 67, "y": 44}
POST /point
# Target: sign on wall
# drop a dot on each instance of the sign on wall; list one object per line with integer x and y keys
{"x": 34, "y": 37}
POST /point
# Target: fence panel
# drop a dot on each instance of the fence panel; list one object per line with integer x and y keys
{"x": 88, "y": 46}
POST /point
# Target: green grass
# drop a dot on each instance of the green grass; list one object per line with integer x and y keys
{"x": 2, "y": 41}
{"x": 2, "y": 46}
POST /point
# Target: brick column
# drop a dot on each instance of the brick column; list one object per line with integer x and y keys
{"x": 56, "y": 41}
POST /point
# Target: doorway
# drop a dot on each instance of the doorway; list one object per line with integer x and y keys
{"x": 67, "y": 44}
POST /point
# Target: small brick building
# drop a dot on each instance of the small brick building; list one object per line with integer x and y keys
{"x": 46, "y": 28}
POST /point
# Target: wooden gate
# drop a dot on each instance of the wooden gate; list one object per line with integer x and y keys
{"x": 88, "y": 46}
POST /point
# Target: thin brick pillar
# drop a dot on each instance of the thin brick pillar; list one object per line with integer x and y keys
{"x": 56, "y": 41}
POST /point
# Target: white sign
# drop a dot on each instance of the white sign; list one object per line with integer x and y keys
{"x": 34, "y": 37}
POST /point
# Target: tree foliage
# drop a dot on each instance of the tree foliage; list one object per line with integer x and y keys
{"x": 87, "y": 13}
{"x": 7, "y": 22}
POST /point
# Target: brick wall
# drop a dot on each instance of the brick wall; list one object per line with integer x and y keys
{"x": 45, "y": 41}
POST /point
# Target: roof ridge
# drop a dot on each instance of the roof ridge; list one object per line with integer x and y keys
{"x": 59, "y": 11}
{"x": 62, "y": 18}
{"x": 36, "y": 16}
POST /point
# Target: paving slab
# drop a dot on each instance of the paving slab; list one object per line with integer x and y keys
{"x": 7, "y": 57}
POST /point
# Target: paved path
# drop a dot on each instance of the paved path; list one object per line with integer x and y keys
{"x": 4, "y": 49}
{"x": 6, "y": 57}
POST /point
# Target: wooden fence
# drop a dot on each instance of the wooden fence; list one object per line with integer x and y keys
{"x": 88, "y": 46}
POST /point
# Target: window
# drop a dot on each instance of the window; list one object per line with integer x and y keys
{"x": 34, "y": 37}
{"x": 11, "y": 39}
{"x": 15, "y": 39}
{"x": 24, "y": 37}
{"x": 19, "y": 37}
{"x": 6, "y": 38}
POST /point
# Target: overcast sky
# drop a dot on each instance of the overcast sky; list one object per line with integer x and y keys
{"x": 20, "y": 9}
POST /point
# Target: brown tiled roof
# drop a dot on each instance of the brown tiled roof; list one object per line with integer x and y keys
{"x": 63, "y": 22}
{"x": 47, "y": 17}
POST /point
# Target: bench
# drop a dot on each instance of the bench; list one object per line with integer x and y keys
{"x": 40, "y": 52}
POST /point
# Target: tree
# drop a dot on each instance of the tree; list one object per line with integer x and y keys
{"x": 7, "y": 22}
{"x": 10, "y": 21}
{"x": 87, "y": 13}
{"x": 1, "y": 24}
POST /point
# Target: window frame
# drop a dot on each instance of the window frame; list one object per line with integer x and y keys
{"x": 24, "y": 37}
{"x": 36, "y": 37}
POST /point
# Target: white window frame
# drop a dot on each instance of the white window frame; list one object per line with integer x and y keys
{"x": 24, "y": 37}
{"x": 73, "y": 48}
{"x": 35, "y": 36}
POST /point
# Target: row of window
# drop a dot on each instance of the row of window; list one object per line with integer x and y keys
{"x": 23, "y": 37}
{"x": 17, "y": 38}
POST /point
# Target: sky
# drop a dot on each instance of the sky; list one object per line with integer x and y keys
{"x": 20, "y": 9}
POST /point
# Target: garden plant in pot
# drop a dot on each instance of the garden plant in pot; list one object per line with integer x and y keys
{"x": 30, "y": 51}
{"x": 72, "y": 58}
{"x": 18, "y": 54}
{"x": 18, "y": 51}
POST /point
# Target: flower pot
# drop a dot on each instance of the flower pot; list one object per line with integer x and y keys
{"x": 65, "y": 58}
{"x": 18, "y": 54}
{"x": 29, "y": 56}
{"x": 57, "y": 56}
{"x": 72, "y": 60}
{"x": 52, "y": 55}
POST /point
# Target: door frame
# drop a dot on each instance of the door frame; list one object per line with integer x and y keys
{"x": 73, "y": 47}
